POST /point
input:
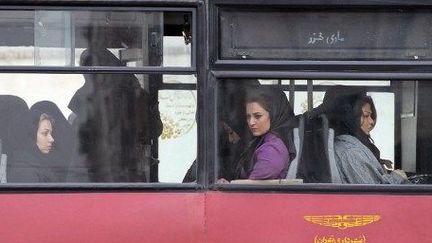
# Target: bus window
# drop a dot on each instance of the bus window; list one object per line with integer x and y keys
{"x": 58, "y": 38}
{"x": 104, "y": 127}
{"x": 396, "y": 141}
{"x": 104, "y": 122}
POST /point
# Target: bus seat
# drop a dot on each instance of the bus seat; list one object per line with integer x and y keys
{"x": 318, "y": 165}
{"x": 14, "y": 112}
{"x": 313, "y": 165}
{"x": 328, "y": 140}
{"x": 3, "y": 165}
{"x": 298, "y": 142}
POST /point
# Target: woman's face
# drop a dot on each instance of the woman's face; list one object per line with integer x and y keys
{"x": 44, "y": 139}
{"x": 366, "y": 121}
{"x": 258, "y": 119}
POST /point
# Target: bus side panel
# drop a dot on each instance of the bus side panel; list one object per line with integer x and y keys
{"x": 102, "y": 217}
{"x": 274, "y": 217}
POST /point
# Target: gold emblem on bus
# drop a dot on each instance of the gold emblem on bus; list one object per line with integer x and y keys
{"x": 343, "y": 221}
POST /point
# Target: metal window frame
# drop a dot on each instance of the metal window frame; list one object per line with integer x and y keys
{"x": 216, "y": 63}
{"x": 109, "y": 69}
{"x": 310, "y": 70}
{"x": 316, "y": 187}
{"x": 198, "y": 68}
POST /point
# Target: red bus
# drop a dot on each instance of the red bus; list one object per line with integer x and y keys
{"x": 143, "y": 98}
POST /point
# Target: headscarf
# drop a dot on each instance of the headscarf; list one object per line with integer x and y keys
{"x": 62, "y": 130}
{"x": 343, "y": 105}
{"x": 29, "y": 164}
{"x": 352, "y": 124}
{"x": 282, "y": 122}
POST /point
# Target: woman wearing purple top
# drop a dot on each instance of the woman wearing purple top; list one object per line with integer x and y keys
{"x": 270, "y": 119}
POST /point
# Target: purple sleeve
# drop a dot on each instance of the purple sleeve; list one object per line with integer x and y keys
{"x": 271, "y": 161}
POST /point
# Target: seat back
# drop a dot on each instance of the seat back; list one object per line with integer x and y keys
{"x": 298, "y": 133}
{"x": 314, "y": 165}
{"x": 13, "y": 122}
{"x": 317, "y": 163}
{"x": 3, "y": 165}
{"x": 328, "y": 140}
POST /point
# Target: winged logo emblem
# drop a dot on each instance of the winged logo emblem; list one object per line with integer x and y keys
{"x": 343, "y": 221}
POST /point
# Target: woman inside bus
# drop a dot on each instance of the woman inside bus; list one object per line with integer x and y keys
{"x": 357, "y": 158}
{"x": 64, "y": 134}
{"x": 270, "y": 119}
{"x": 34, "y": 161}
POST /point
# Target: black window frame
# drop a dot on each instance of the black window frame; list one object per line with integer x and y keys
{"x": 311, "y": 70}
{"x": 198, "y": 64}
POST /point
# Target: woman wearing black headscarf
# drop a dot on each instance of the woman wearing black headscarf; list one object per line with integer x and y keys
{"x": 270, "y": 119}
{"x": 357, "y": 158}
{"x": 63, "y": 132}
{"x": 64, "y": 135}
{"x": 35, "y": 160}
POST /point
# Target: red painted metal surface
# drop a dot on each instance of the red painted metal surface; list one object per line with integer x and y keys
{"x": 209, "y": 217}
{"x": 268, "y": 217}
{"x": 102, "y": 217}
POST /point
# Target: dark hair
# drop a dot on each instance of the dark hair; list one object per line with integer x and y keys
{"x": 351, "y": 121}
{"x": 37, "y": 117}
{"x": 362, "y": 136}
{"x": 260, "y": 96}
{"x": 343, "y": 107}
{"x": 32, "y": 122}
{"x": 362, "y": 102}
{"x": 354, "y": 128}
{"x": 273, "y": 100}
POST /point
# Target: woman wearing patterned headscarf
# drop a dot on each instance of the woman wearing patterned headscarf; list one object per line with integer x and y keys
{"x": 357, "y": 157}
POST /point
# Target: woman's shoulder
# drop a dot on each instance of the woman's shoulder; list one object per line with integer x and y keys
{"x": 23, "y": 158}
{"x": 348, "y": 144}
{"x": 271, "y": 140}
{"x": 347, "y": 141}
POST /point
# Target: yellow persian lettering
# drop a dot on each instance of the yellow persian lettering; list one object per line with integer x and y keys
{"x": 333, "y": 239}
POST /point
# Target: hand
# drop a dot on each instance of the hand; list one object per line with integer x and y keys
{"x": 401, "y": 173}
{"x": 233, "y": 137}
{"x": 388, "y": 164}
{"x": 222, "y": 181}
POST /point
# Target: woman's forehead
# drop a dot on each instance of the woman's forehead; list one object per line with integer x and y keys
{"x": 45, "y": 124}
{"x": 367, "y": 107}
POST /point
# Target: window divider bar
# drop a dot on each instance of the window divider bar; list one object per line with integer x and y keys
{"x": 97, "y": 69}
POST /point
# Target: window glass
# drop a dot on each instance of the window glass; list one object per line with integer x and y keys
{"x": 96, "y": 128}
{"x": 353, "y": 83}
{"x": 178, "y": 115}
{"x": 343, "y": 82}
{"x": 383, "y": 133}
{"x": 367, "y": 126}
{"x": 58, "y": 38}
